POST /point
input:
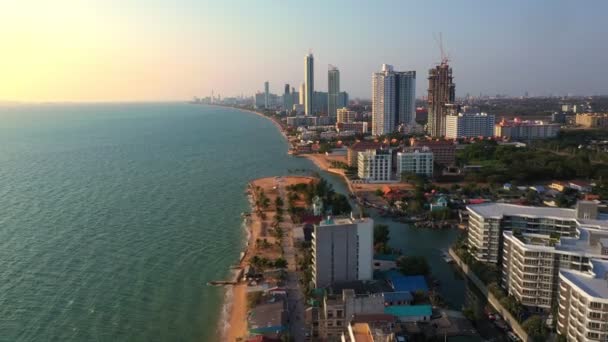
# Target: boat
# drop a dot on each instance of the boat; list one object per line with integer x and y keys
{"x": 446, "y": 256}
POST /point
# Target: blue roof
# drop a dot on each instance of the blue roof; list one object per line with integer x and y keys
{"x": 397, "y": 296}
{"x": 408, "y": 310}
{"x": 402, "y": 283}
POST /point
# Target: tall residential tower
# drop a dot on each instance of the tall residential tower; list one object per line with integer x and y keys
{"x": 333, "y": 91}
{"x": 442, "y": 94}
{"x": 309, "y": 83}
{"x": 266, "y": 95}
{"x": 393, "y": 99}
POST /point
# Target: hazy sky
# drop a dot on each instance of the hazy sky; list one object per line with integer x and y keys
{"x": 117, "y": 50}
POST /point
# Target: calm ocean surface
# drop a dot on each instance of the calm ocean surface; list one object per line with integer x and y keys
{"x": 114, "y": 216}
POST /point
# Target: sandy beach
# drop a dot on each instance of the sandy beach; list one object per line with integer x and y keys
{"x": 237, "y": 308}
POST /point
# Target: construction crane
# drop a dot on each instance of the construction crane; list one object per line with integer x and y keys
{"x": 444, "y": 57}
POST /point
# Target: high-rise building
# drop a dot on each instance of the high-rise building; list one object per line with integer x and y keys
{"x": 301, "y": 94}
{"x": 333, "y": 91}
{"x": 309, "y": 84}
{"x": 342, "y": 99}
{"x": 469, "y": 125}
{"x": 266, "y": 95}
{"x": 441, "y": 93}
{"x": 342, "y": 250}
{"x": 393, "y": 99}
{"x": 319, "y": 102}
{"x": 287, "y": 99}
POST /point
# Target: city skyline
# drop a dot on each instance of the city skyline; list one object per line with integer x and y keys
{"x": 136, "y": 51}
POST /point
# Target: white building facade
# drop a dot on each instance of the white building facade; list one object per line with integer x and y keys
{"x": 393, "y": 99}
{"x": 415, "y": 160}
{"x": 345, "y": 116}
{"x": 469, "y": 125}
{"x": 375, "y": 165}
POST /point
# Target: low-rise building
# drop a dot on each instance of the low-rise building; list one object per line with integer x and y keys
{"x": 469, "y": 125}
{"x": 352, "y": 154}
{"x": 342, "y": 250}
{"x": 592, "y": 120}
{"x": 517, "y": 129}
{"x": 297, "y": 121}
{"x": 375, "y": 165}
{"x": 346, "y": 116}
{"x": 444, "y": 151}
{"x": 357, "y": 127}
{"x": 583, "y": 303}
{"x": 415, "y": 160}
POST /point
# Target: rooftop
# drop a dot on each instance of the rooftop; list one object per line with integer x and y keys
{"x": 408, "y": 310}
{"x": 401, "y": 283}
{"x": 580, "y": 245}
{"x": 362, "y": 333}
{"x": 499, "y": 210}
{"x": 338, "y": 221}
{"x": 594, "y": 285}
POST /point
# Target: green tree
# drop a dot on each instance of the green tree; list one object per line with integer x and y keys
{"x": 280, "y": 263}
{"x": 278, "y": 202}
{"x": 535, "y": 328}
{"x": 413, "y": 265}
{"x": 381, "y": 233}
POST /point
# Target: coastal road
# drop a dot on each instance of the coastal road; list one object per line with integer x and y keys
{"x": 295, "y": 297}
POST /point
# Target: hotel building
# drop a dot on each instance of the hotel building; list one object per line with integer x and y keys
{"x": 469, "y": 125}
{"x": 583, "y": 303}
{"x": 342, "y": 250}
{"x": 487, "y": 222}
{"x": 375, "y": 165}
{"x": 415, "y": 160}
{"x": 531, "y": 263}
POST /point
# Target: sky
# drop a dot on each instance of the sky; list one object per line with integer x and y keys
{"x": 153, "y": 50}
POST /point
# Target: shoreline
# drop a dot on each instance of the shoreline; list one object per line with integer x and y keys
{"x": 233, "y": 315}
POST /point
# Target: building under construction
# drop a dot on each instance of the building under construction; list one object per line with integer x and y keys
{"x": 441, "y": 97}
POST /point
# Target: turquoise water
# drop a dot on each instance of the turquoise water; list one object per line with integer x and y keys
{"x": 114, "y": 216}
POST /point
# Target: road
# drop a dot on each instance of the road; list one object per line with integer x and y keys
{"x": 295, "y": 297}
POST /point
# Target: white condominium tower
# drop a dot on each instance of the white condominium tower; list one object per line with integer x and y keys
{"x": 309, "y": 83}
{"x": 333, "y": 91}
{"x": 393, "y": 99}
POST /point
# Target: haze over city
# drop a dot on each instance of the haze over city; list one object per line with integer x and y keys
{"x": 173, "y": 50}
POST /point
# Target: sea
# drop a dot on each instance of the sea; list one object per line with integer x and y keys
{"x": 113, "y": 217}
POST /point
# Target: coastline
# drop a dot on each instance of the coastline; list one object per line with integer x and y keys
{"x": 233, "y": 321}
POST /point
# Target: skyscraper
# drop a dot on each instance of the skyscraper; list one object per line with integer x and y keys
{"x": 309, "y": 83}
{"x": 333, "y": 91}
{"x": 442, "y": 92}
{"x": 301, "y": 93}
{"x": 266, "y": 95}
{"x": 393, "y": 99}
{"x": 287, "y": 99}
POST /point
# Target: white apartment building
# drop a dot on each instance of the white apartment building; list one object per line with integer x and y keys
{"x": 346, "y": 116}
{"x": 583, "y": 303}
{"x": 531, "y": 263}
{"x": 517, "y": 129}
{"x": 415, "y": 160}
{"x": 469, "y": 125}
{"x": 375, "y": 165}
{"x": 393, "y": 99}
{"x": 342, "y": 250}
{"x": 487, "y": 222}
